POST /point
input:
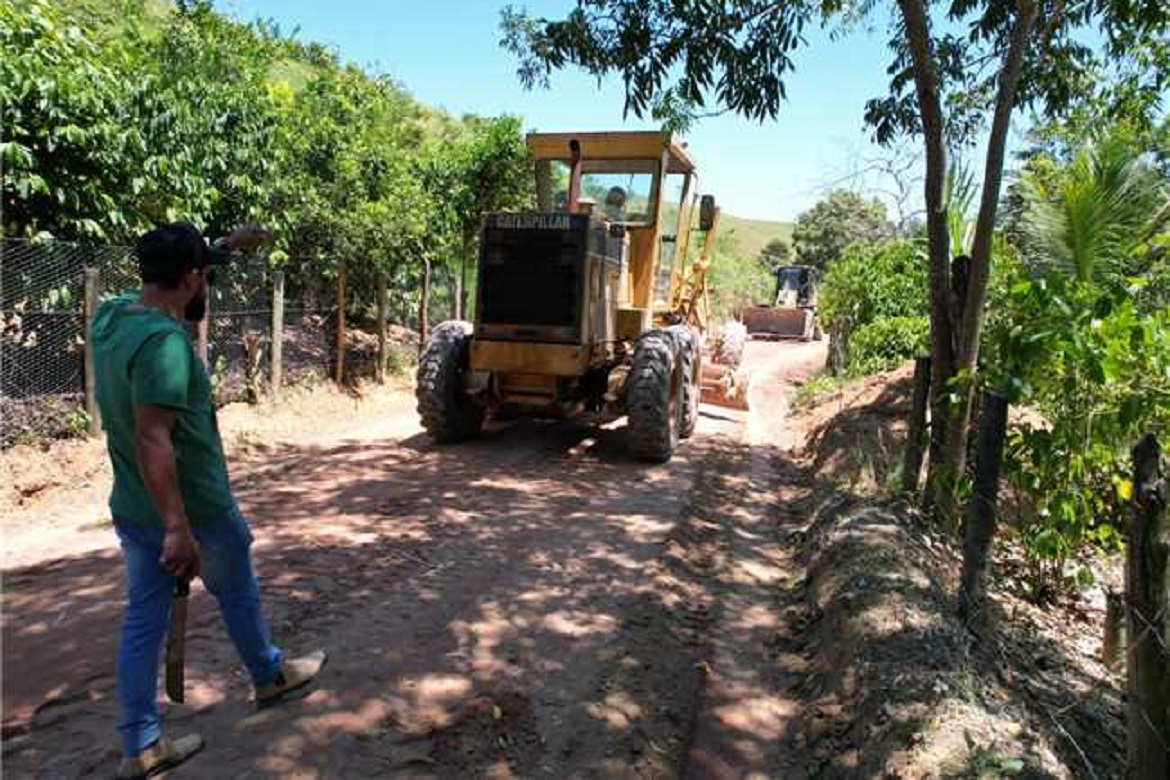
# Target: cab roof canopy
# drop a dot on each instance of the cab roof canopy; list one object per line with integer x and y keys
{"x": 617, "y": 145}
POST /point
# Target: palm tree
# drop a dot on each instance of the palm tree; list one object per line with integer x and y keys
{"x": 1089, "y": 219}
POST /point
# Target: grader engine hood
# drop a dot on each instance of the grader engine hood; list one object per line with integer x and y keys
{"x": 536, "y": 273}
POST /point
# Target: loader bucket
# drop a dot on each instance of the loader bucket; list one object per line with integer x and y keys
{"x": 778, "y": 322}
{"x": 724, "y": 386}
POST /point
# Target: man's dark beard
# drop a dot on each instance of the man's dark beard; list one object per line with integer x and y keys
{"x": 196, "y": 309}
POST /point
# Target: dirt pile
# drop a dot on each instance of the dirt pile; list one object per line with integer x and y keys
{"x": 896, "y": 686}
{"x": 856, "y": 433}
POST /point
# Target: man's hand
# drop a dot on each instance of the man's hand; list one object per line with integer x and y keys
{"x": 248, "y": 238}
{"x": 180, "y": 555}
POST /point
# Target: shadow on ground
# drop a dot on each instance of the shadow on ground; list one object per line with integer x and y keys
{"x": 531, "y": 604}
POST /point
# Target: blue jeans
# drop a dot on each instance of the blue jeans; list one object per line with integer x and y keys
{"x": 227, "y": 574}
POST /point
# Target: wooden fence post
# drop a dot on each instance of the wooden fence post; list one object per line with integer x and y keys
{"x": 1113, "y": 637}
{"x": 201, "y": 329}
{"x": 380, "y": 294}
{"x": 340, "y": 375}
{"x": 424, "y": 300}
{"x": 982, "y": 507}
{"x": 276, "y": 353}
{"x": 92, "y": 296}
{"x": 1148, "y": 659}
{"x": 916, "y": 434}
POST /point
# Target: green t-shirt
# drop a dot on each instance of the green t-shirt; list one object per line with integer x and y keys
{"x": 142, "y": 356}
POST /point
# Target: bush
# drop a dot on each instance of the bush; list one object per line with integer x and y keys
{"x": 1097, "y": 370}
{"x": 886, "y": 342}
{"x": 401, "y": 360}
{"x": 871, "y": 282}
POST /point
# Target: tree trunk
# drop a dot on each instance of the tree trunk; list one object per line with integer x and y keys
{"x": 461, "y": 285}
{"x": 917, "y": 430}
{"x": 967, "y": 330}
{"x": 938, "y": 230}
{"x": 424, "y": 305}
{"x": 1113, "y": 635}
{"x": 339, "y": 368}
{"x": 276, "y": 353}
{"x": 459, "y": 288}
{"x": 981, "y": 511}
{"x": 380, "y": 320}
{"x": 1147, "y": 624}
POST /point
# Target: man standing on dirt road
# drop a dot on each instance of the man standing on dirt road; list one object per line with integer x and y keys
{"x": 172, "y": 505}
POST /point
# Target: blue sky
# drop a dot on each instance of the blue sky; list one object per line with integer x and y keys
{"x": 447, "y": 53}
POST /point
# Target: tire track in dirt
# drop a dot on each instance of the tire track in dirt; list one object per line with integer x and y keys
{"x": 533, "y": 604}
{"x": 746, "y": 713}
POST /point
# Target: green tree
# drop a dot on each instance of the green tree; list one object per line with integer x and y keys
{"x": 775, "y": 253}
{"x": 736, "y": 280}
{"x": 1081, "y": 334}
{"x": 208, "y": 123}
{"x": 1098, "y": 371}
{"x": 1089, "y": 219}
{"x": 873, "y": 288}
{"x": 823, "y": 232}
{"x": 953, "y": 65}
{"x": 490, "y": 170}
{"x": 67, "y": 145}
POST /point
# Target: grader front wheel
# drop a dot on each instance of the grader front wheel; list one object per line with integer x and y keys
{"x": 654, "y": 397}
{"x": 690, "y": 359}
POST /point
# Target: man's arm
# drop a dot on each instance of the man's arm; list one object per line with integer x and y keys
{"x": 156, "y": 465}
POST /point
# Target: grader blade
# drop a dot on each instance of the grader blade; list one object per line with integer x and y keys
{"x": 725, "y": 386}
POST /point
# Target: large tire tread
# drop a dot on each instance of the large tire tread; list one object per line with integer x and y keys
{"x": 448, "y": 415}
{"x": 653, "y": 435}
{"x": 689, "y": 356}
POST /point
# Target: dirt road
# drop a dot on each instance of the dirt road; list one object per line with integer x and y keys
{"x": 531, "y": 604}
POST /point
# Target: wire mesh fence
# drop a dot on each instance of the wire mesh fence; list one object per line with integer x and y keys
{"x": 42, "y": 370}
{"x": 310, "y": 324}
{"x": 43, "y": 331}
{"x": 239, "y": 333}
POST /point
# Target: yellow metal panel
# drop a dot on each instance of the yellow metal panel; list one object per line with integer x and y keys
{"x": 621, "y": 145}
{"x": 632, "y": 323}
{"x": 536, "y": 383}
{"x": 683, "y": 230}
{"x": 643, "y": 259}
{"x": 518, "y": 357}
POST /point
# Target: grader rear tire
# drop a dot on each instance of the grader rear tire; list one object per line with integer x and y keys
{"x": 654, "y": 398}
{"x": 689, "y": 358}
{"x": 448, "y": 414}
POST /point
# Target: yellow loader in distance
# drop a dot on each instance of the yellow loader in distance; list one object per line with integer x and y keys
{"x": 793, "y": 313}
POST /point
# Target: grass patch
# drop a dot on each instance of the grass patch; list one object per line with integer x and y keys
{"x": 813, "y": 390}
{"x": 401, "y": 361}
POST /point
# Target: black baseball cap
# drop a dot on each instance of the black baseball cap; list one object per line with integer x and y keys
{"x": 169, "y": 251}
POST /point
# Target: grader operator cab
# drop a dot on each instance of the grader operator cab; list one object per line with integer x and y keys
{"x": 587, "y": 303}
{"x": 793, "y": 313}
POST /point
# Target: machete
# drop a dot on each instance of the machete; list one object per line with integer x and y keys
{"x": 177, "y": 641}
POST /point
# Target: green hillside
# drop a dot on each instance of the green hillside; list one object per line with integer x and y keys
{"x": 741, "y": 239}
{"x": 751, "y": 235}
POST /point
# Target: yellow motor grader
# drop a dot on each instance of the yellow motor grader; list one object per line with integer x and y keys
{"x": 589, "y": 303}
